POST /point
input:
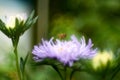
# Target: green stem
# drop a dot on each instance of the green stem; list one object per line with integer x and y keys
{"x": 65, "y": 73}
{"x": 15, "y": 45}
{"x": 57, "y": 70}
{"x": 71, "y": 74}
{"x": 17, "y": 62}
{"x": 115, "y": 73}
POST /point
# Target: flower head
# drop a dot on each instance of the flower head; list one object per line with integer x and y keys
{"x": 10, "y": 20}
{"x": 102, "y": 59}
{"x": 15, "y": 26}
{"x": 64, "y": 51}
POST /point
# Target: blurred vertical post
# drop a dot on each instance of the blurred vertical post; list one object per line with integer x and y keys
{"x": 42, "y": 25}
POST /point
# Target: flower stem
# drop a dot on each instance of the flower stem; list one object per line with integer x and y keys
{"x": 57, "y": 70}
{"x": 116, "y": 72}
{"x": 17, "y": 62}
{"x": 15, "y": 45}
{"x": 65, "y": 73}
{"x": 71, "y": 74}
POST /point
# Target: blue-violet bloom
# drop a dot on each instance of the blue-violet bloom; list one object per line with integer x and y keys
{"x": 67, "y": 52}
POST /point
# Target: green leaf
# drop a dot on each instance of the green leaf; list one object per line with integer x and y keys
{"x": 21, "y": 64}
{"x": 17, "y": 22}
{"x": 34, "y": 20}
{"x": 30, "y": 17}
{"x": 26, "y": 58}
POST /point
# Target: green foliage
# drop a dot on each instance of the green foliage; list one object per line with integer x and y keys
{"x": 23, "y": 65}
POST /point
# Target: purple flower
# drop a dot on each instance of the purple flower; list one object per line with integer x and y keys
{"x": 64, "y": 51}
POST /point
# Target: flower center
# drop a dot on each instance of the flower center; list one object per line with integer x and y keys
{"x": 10, "y": 22}
{"x": 60, "y": 49}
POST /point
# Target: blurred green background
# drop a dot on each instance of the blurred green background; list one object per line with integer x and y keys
{"x": 95, "y": 19}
